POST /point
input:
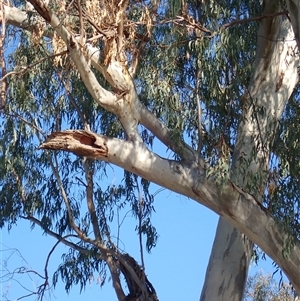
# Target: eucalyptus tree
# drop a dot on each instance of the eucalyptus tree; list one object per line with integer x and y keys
{"x": 213, "y": 82}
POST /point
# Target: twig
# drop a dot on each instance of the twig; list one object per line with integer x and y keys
{"x": 120, "y": 225}
{"x": 57, "y": 236}
{"x": 258, "y": 18}
{"x": 25, "y": 69}
{"x": 15, "y": 115}
{"x": 140, "y": 218}
{"x": 73, "y": 102}
{"x": 87, "y": 164}
{"x": 199, "y": 111}
{"x": 23, "y": 270}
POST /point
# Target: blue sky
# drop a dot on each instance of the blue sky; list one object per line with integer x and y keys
{"x": 186, "y": 232}
{"x": 176, "y": 267}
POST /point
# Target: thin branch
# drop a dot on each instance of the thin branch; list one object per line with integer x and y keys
{"x": 140, "y": 218}
{"x": 198, "y": 100}
{"x": 26, "y": 296}
{"x": 193, "y": 24}
{"x": 67, "y": 204}
{"x": 81, "y": 31}
{"x": 73, "y": 102}
{"x": 31, "y": 124}
{"x": 57, "y": 236}
{"x": 89, "y": 171}
{"x": 43, "y": 286}
{"x": 26, "y": 69}
{"x": 258, "y": 18}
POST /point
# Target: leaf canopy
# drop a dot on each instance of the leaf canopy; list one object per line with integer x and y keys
{"x": 188, "y": 54}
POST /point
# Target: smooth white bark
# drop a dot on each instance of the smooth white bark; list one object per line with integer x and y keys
{"x": 273, "y": 81}
{"x": 228, "y": 264}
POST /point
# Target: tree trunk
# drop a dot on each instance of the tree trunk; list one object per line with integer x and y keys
{"x": 273, "y": 81}
{"x": 222, "y": 266}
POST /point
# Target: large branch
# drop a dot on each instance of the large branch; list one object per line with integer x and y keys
{"x": 113, "y": 73}
{"x": 236, "y": 206}
{"x": 20, "y": 19}
{"x": 122, "y": 100}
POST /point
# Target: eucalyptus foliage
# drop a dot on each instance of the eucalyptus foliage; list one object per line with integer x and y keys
{"x": 192, "y": 55}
